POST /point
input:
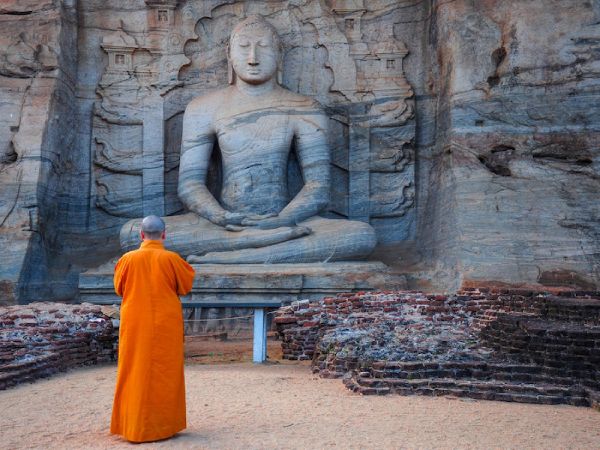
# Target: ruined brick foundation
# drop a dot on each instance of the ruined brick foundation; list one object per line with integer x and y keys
{"x": 41, "y": 339}
{"x": 510, "y": 345}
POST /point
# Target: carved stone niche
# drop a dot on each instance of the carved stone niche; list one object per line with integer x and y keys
{"x": 161, "y": 14}
{"x": 120, "y": 47}
{"x": 382, "y": 70}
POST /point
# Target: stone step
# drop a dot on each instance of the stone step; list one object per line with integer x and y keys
{"x": 470, "y": 388}
{"x": 583, "y": 309}
{"x": 487, "y": 385}
{"x": 520, "y": 373}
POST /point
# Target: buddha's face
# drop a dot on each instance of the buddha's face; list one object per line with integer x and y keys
{"x": 254, "y": 54}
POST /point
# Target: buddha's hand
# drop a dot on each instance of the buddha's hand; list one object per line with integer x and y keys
{"x": 267, "y": 222}
{"x": 230, "y": 220}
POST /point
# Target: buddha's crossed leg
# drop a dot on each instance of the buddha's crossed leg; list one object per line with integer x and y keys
{"x": 330, "y": 240}
{"x": 189, "y": 234}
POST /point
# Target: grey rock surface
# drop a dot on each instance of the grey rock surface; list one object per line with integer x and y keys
{"x": 255, "y": 124}
{"x": 259, "y": 285}
{"x": 514, "y": 155}
{"x": 37, "y": 79}
{"x": 465, "y": 133}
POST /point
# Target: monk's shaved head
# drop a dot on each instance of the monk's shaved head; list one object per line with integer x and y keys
{"x": 153, "y": 227}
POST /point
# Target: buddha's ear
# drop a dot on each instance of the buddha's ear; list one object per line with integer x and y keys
{"x": 280, "y": 65}
{"x": 230, "y": 71}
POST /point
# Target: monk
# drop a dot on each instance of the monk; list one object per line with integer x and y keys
{"x": 149, "y": 402}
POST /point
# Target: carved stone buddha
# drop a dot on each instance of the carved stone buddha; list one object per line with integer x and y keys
{"x": 256, "y": 123}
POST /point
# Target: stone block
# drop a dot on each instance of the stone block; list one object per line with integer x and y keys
{"x": 259, "y": 284}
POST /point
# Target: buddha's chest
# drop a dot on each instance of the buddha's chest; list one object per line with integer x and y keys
{"x": 255, "y": 135}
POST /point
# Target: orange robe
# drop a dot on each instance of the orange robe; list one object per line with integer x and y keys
{"x": 150, "y": 394}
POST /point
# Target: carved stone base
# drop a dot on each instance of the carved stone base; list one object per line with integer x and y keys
{"x": 259, "y": 285}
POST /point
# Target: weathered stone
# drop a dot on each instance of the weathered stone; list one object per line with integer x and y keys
{"x": 514, "y": 157}
{"x": 35, "y": 117}
{"x": 254, "y": 123}
{"x": 463, "y": 132}
{"x": 39, "y": 349}
{"x": 258, "y": 284}
{"x": 529, "y": 352}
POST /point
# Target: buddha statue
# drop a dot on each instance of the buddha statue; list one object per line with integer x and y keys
{"x": 256, "y": 124}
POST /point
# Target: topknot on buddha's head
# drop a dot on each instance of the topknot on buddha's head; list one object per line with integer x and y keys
{"x": 256, "y": 22}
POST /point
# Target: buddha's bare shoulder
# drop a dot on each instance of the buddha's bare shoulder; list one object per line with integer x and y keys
{"x": 208, "y": 102}
{"x": 298, "y": 100}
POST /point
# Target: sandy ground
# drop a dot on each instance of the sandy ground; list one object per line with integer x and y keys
{"x": 282, "y": 405}
{"x": 202, "y": 350}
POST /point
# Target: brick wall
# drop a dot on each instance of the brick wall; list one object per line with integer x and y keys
{"x": 512, "y": 345}
{"x": 302, "y": 323}
{"x": 40, "y": 339}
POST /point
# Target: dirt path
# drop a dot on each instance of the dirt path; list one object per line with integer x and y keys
{"x": 234, "y": 406}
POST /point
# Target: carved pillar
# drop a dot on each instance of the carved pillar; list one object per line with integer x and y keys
{"x": 349, "y": 16}
{"x": 129, "y": 120}
{"x": 153, "y": 200}
{"x": 359, "y": 175}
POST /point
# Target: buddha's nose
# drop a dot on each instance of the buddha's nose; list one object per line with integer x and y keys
{"x": 252, "y": 61}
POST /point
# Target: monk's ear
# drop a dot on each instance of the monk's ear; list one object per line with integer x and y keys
{"x": 142, "y": 235}
{"x": 163, "y": 236}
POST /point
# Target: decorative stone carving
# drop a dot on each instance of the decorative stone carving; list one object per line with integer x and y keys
{"x": 141, "y": 70}
{"x": 349, "y": 14}
{"x": 118, "y": 174}
{"x": 379, "y": 96}
{"x": 368, "y": 90}
{"x": 115, "y": 160}
{"x": 25, "y": 57}
{"x": 255, "y": 121}
{"x": 161, "y": 14}
{"x": 120, "y": 47}
{"x": 499, "y": 157}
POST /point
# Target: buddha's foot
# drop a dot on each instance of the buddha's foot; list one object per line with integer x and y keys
{"x": 299, "y": 231}
{"x": 253, "y": 239}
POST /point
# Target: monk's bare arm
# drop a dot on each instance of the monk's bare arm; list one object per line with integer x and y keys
{"x": 313, "y": 154}
{"x": 196, "y": 147}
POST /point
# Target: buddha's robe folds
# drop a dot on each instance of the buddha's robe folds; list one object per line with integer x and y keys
{"x": 149, "y": 399}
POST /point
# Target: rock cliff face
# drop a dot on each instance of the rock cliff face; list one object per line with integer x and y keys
{"x": 465, "y": 132}
{"x": 512, "y": 190}
{"x": 37, "y": 140}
